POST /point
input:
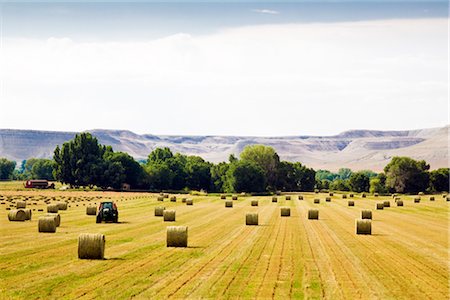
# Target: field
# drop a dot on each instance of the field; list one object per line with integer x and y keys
{"x": 406, "y": 257}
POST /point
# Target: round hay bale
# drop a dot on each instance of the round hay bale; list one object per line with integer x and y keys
{"x": 363, "y": 226}
{"x": 57, "y": 218}
{"x": 183, "y": 200}
{"x": 47, "y": 224}
{"x": 351, "y": 203}
{"x": 223, "y": 197}
{"x": 375, "y": 194}
{"x": 351, "y": 195}
{"x": 363, "y": 195}
{"x": 274, "y": 199}
{"x": 166, "y": 196}
{"x": 91, "y": 246}
{"x": 313, "y": 214}
{"x": 228, "y": 203}
{"x": 399, "y": 203}
{"x": 331, "y": 194}
{"x": 177, "y": 236}
{"x": 91, "y": 210}
{"x": 285, "y": 211}
{"x": 316, "y": 201}
{"x": 189, "y": 202}
{"x": 234, "y": 198}
{"x": 316, "y": 191}
{"x": 21, "y": 204}
{"x": 417, "y": 200}
{"x": 447, "y": 199}
{"x": 159, "y": 211}
{"x": 328, "y": 199}
{"x": 17, "y": 215}
{"x": 366, "y": 214}
{"x": 288, "y": 197}
{"x": 300, "y": 197}
{"x": 387, "y": 203}
{"x": 420, "y": 194}
{"x": 62, "y": 205}
{"x": 254, "y": 202}
{"x": 40, "y": 209}
{"x": 380, "y": 205}
{"x": 28, "y": 213}
{"x": 278, "y": 193}
{"x": 160, "y": 198}
{"x": 344, "y": 196}
{"x": 444, "y": 196}
{"x": 251, "y": 219}
{"x": 396, "y": 199}
{"x": 52, "y": 208}
{"x": 173, "y": 199}
{"x": 169, "y": 215}
{"x": 431, "y": 198}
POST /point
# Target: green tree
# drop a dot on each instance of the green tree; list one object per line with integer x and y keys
{"x": 344, "y": 173}
{"x": 42, "y": 169}
{"x": 219, "y": 182}
{"x": 406, "y": 175}
{"x": 6, "y": 168}
{"x": 325, "y": 175}
{"x": 131, "y": 171}
{"x": 340, "y": 185}
{"x": 198, "y": 173}
{"x": 246, "y": 176}
{"x": 439, "y": 180}
{"x": 359, "y": 182}
{"x": 266, "y": 158}
{"x": 376, "y": 186}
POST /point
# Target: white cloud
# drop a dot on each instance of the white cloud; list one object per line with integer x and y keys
{"x": 258, "y": 80}
{"x": 266, "y": 11}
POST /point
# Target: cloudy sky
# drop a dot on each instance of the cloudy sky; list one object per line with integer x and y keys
{"x": 198, "y": 68}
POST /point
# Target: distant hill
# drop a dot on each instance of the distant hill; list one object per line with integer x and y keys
{"x": 355, "y": 149}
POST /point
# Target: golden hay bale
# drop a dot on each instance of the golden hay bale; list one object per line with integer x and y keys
{"x": 420, "y": 194}
{"x": 380, "y": 205}
{"x": 330, "y": 194}
{"x": 52, "y": 208}
{"x": 28, "y": 213}
{"x": 57, "y": 218}
{"x": 274, "y": 199}
{"x": 328, "y": 199}
{"x": 316, "y": 201}
{"x": 254, "y": 202}
{"x": 160, "y": 198}
{"x": 300, "y": 197}
{"x": 62, "y": 205}
{"x": 47, "y": 224}
{"x": 351, "y": 195}
{"x": 363, "y": 195}
{"x": 432, "y": 198}
{"x": 159, "y": 211}
{"x": 313, "y": 214}
{"x": 91, "y": 210}
{"x": 288, "y": 197}
{"x": 285, "y": 211}
{"x": 177, "y": 236}
{"x": 399, "y": 203}
{"x": 228, "y": 203}
{"x": 344, "y": 196}
{"x": 91, "y": 246}
{"x": 169, "y": 215}
{"x": 223, "y": 197}
{"x": 183, "y": 200}
{"x": 387, "y": 204}
{"x": 173, "y": 199}
{"x": 363, "y": 226}
{"x": 417, "y": 200}
{"x": 166, "y": 196}
{"x": 251, "y": 219}
{"x": 234, "y": 198}
{"x": 17, "y": 215}
{"x": 351, "y": 203}
{"x": 316, "y": 191}
{"x": 189, "y": 202}
{"x": 375, "y": 194}
{"x": 21, "y": 204}
{"x": 366, "y": 214}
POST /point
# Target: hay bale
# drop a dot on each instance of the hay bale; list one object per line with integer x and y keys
{"x": 254, "y": 202}
{"x": 183, "y": 200}
{"x": 366, "y": 214}
{"x": 417, "y": 200}
{"x": 47, "y": 224}
{"x": 234, "y": 198}
{"x": 160, "y": 198}
{"x": 380, "y": 205}
{"x": 52, "y": 208}
{"x": 396, "y": 199}
{"x": 17, "y": 215}
{"x": 251, "y": 219}
{"x": 328, "y": 199}
{"x": 173, "y": 199}
{"x": 363, "y": 195}
{"x": 228, "y": 203}
{"x": 223, "y": 197}
{"x": 21, "y": 204}
{"x": 375, "y": 194}
{"x": 40, "y": 209}
{"x": 91, "y": 246}
{"x": 177, "y": 236}
{"x": 363, "y": 226}
{"x": 28, "y": 214}
{"x": 159, "y": 211}
{"x": 316, "y": 191}
{"x": 300, "y": 197}
{"x": 285, "y": 211}
{"x": 316, "y": 201}
{"x": 399, "y": 203}
{"x": 447, "y": 199}
{"x": 344, "y": 196}
{"x": 91, "y": 210}
{"x": 62, "y": 205}
{"x": 166, "y": 196}
{"x": 274, "y": 199}
{"x": 288, "y": 197}
{"x": 313, "y": 214}
{"x": 169, "y": 215}
{"x": 431, "y": 198}
{"x": 331, "y": 194}
{"x": 189, "y": 202}
{"x": 351, "y": 195}
{"x": 420, "y": 194}
{"x": 387, "y": 203}
{"x": 57, "y": 218}
{"x": 351, "y": 203}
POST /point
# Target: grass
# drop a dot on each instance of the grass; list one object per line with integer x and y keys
{"x": 285, "y": 257}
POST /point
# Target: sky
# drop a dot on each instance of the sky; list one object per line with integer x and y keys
{"x": 194, "y": 68}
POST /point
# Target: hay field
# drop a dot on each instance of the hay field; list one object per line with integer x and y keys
{"x": 406, "y": 257}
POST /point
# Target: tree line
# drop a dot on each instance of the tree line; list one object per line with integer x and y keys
{"x": 84, "y": 162}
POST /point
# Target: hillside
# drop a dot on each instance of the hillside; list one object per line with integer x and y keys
{"x": 356, "y": 149}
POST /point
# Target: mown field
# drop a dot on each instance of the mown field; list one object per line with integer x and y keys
{"x": 406, "y": 257}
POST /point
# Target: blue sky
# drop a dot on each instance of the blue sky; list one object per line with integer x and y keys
{"x": 225, "y": 69}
